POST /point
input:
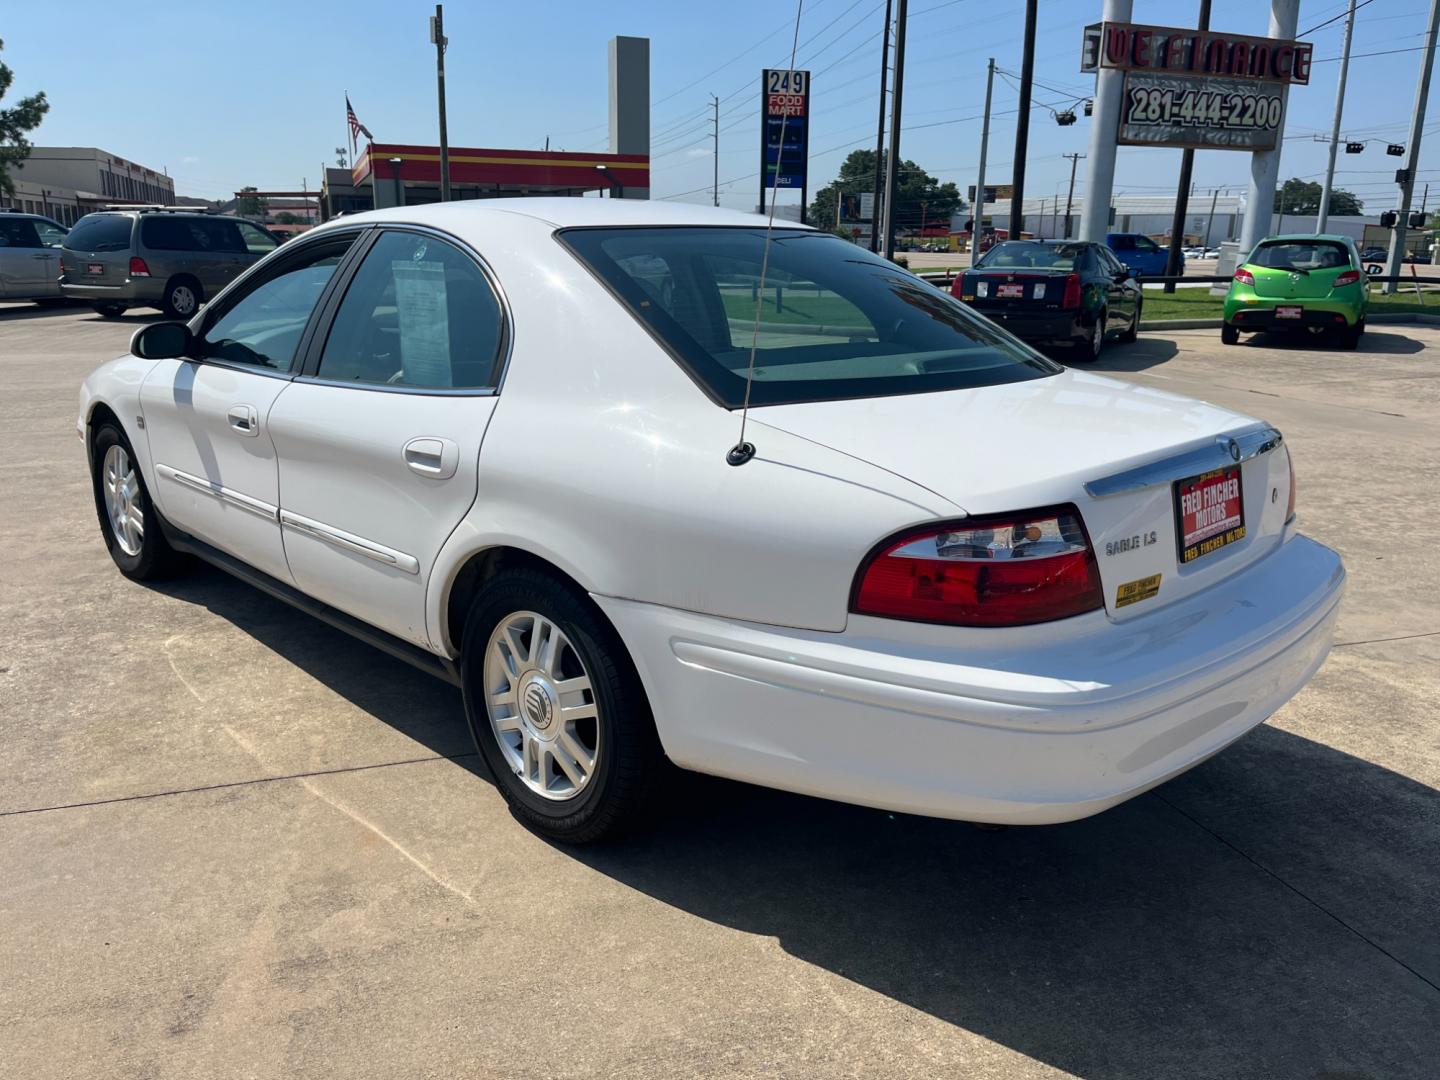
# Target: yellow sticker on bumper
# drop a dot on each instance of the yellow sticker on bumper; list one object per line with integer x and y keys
{"x": 1132, "y": 592}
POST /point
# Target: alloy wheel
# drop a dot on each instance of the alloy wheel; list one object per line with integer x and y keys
{"x": 124, "y": 504}
{"x": 541, "y": 706}
{"x": 182, "y": 299}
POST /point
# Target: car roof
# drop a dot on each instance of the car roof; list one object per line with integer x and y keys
{"x": 566, "y": 212}
{"x": 1293, "y": 237}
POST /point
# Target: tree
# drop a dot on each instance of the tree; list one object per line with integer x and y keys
{"x": 1302, "y": 197}
{"x": 14, "y": 124}
{"x": 250, "y": 205}
{"x": 920, "y": 199}
{"x": 285, "y": 217}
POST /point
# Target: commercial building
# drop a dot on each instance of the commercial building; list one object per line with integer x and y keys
{"x": 67, "y": 182}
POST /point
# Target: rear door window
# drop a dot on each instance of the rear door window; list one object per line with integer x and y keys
{"x": 100, "y": 232}
{"x": 167, "y": 234}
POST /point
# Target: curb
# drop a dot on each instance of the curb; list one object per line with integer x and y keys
{"x": 1422, "y": 318}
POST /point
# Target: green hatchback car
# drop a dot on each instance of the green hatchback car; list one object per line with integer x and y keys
{"x": 1300, "y": 282}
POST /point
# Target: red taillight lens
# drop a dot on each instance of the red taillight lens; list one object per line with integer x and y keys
{"x": 1072, "y": 292}
{"x": 1244, "y": 277}
{"x": 138, "y": 267}
{"x": 62, "y": 264}
{"x": 1005, "y": 570}
{"x": 1349, "y": 277}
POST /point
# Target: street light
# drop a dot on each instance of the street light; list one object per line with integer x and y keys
{"x": 615, "y": 185}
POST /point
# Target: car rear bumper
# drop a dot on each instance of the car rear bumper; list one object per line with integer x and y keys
{"x": 1030, "y": 725}
{"x": 1037, "y": 326}
{"x": 132, "y": 291}
{"x": 1260, "y": 315}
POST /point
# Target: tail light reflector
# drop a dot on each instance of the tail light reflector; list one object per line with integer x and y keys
{"x": 1349, "y": 277}
{"x": 1001, "y": 570}
{"x": 1072, "y": 292}
{"x": 1244, "y": 277}
{"x": 138, "y": 267}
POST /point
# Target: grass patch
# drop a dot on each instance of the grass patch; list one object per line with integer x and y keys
{"x": 1192, "y": 303}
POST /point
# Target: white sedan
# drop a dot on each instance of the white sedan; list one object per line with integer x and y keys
{"x": 501, "y": 440}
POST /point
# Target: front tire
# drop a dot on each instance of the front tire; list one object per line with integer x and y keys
{"x": 1229, "y": 335}
{"x": 128, "y": 520}
{"x": 557, "y": 710}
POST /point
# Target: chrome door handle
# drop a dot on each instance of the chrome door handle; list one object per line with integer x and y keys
{"x": 432, "y": 457}
{"x": 42, "y": 256}
{"x": 244, "y": 419}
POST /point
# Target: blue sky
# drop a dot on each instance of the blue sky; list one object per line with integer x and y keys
{"x": 227, "y": 95}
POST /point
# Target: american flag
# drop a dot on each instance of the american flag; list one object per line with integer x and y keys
{"x": 356, "y": 127}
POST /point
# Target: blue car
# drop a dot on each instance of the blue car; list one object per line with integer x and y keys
{"x": 1140, "y": 254}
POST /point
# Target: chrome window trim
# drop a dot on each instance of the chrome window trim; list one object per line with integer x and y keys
{"x": 507, "y": 324}
{"x": 1231, "y": 448}
{"x": 219, "y": 491}
{"x": 350, "y": 542}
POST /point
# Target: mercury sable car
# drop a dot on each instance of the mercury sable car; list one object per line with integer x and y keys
{"x": 940, "y": 574}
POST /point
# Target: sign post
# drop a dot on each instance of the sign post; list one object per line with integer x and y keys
{"x": 784, "y": 133}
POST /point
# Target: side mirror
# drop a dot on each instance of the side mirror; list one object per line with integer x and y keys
{"x": 162, "y": 341}
{"x": 1136, "y": 274}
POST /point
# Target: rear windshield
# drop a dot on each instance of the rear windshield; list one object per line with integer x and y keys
{"x": 100, "y": 232}
{"x": 1300, "y": 255}
{"x": 834, "y": 321}
{"x": 1017, "y": 253}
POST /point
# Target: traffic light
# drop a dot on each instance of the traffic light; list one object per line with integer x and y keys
{"x": 1417, "y": 220}
{"x": 1066, "y": 118}
{"x": 1395, "y": 150}
{"x": 1354, "y": 147}
{"x": 1388, "y": 219}
{"x": 1089, "y": 106}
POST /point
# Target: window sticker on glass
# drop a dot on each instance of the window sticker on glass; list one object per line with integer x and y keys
{"x": 423, "y": 313}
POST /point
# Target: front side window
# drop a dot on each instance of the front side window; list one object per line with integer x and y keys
{"x": 263, "y": 328}
{"x": 51, "y": 235}
{"x": 1145, "y": 244}
{"x": 834, "y": 320}
{"x": 420, "y": 313}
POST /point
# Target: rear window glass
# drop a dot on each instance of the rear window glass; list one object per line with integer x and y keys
{"x": 1016, "y": 254}
{"x": 834, "y": 321}
{"x": 1300, "y": 255}
{"x": 100, "y": 232}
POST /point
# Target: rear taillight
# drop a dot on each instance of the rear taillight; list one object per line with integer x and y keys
{"x": 1002, "y": 570}
{"x": 62, "y": 264}
{"x": 1244, "y": 277}
{"x": 1072, "y": 292}
{"x": 1349, "y": 277}
{"x": 138, "y": 267}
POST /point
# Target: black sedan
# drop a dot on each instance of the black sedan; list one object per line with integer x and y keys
{"x": 1055, "y": 292}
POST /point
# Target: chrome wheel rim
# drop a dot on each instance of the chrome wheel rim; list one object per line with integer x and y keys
{"x": 182, "y": 299}
{"x": 124, "y": 504}
{"x": 541, "y": 706}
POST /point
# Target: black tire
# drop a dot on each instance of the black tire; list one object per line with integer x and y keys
{"x": 1087, "y": 350}
{"x": 155, "y": 559}
{"x": 1229, "y": 335}
{"x": 628, "y": 760}
{"x": 1132, "y": 332}
{"x": 183, "y": 297}
{"x": 109, "y": 311}
{"x": 1350, "y": 336}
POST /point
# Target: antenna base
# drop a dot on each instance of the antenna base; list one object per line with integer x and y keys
{"x": 740, "y": 453}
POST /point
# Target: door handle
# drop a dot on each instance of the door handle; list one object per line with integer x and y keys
{"x": 42, "y": 256}
{"x": 244, "y": 419}
{"x": 432, "y": 457}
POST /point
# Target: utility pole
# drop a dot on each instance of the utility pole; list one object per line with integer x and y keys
{"x": 437, "y": 36}
{"x": 1406, "y": 176}
{"x": 715, "y": 188}
{"x": 1070, "y": 198}
{"x": 1022, "y": 125}
{"x": 977, "y": 208}
{"x": 876, "y": 199}
{"x": 892, "y": 163}
{"x": 1210, "y": 223}
{"x": 1182, "y": 193}
{"x": 1323, "y": 218}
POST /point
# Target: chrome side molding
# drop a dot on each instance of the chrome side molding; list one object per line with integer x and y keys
{"x": 350, "y": 542}
{"x": 219, "y": 491}
{"x": 1228, "y": 449}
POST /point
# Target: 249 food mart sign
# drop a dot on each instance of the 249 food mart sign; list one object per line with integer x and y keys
{"x": 1197, "y": 88}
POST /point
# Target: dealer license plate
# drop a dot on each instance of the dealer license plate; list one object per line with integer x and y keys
{"x": 1209, "y": 512}
{"x": 1288, "y": 311}
{"x": 94, "y": 268}
{"x": 1010, "y": 292}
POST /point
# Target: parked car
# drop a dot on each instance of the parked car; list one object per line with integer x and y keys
{"x": 30, "y": 257}
{"x": 1211, "y": 253}
{"x": 161, "y": 257}
{"x": 1299, "y": 282}
{"x": 1055, "y": 292}
{"x": 1141, "y": 254}
{"x": 939, "y": 574}
{"x": 1374, "y": 255}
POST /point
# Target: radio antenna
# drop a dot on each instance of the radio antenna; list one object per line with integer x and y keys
{"x": 743, "y": 451}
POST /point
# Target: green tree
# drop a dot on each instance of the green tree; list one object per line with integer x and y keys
{"x": 285, "y": 217}
{"x": 14, "y": 125}
{"x": 1302, "y": 197}
{"x": 919, "y": 197}
{"x": 247, "y": 205}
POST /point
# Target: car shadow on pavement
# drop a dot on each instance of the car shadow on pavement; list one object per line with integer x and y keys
{"x": 1374, "y": 340}
{"x": 1146, "y": 351}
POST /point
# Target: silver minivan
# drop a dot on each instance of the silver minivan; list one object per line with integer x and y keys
{"x": 30, "y": 257}
{"x": 167, "y": 258}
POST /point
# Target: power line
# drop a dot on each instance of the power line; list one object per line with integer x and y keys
{"x": 1337, "y": 18}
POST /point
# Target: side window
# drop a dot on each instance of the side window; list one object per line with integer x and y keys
{"x": 263, "y": 328}
{"x": 18, "y": 233}
{"x": 51, "y": 236}
{"x": 1145, "y": 244}
{"x": 164, "y": 233}
{"x": 1121, "y": 243}
{"x": 257, "y": 241}
{"x": 418, "y": 312}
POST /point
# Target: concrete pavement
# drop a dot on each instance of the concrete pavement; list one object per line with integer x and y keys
{"x": 236, "y": 843}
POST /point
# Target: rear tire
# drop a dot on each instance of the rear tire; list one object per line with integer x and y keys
{"x": 183, "y": 297}
{"x": 530, "y": 642}
{"x": 1087, "y": 350}
{"x": 109, "y": 311}
{"x": 128, "y": 520}
{"x": 1133, "y": 331}
{"x": 1350, "y": 336}
{"x": 1229, "y": 335}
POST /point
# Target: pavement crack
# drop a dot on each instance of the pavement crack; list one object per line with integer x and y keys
{"x": 1380, "y": 640}
{"x": 1297, "y": 891}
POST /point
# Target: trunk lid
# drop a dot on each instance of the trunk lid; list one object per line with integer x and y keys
{"x": 1295, "y": 284}
{"x": 1041, "y": 442}
{"x": 1038, "y": 290}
